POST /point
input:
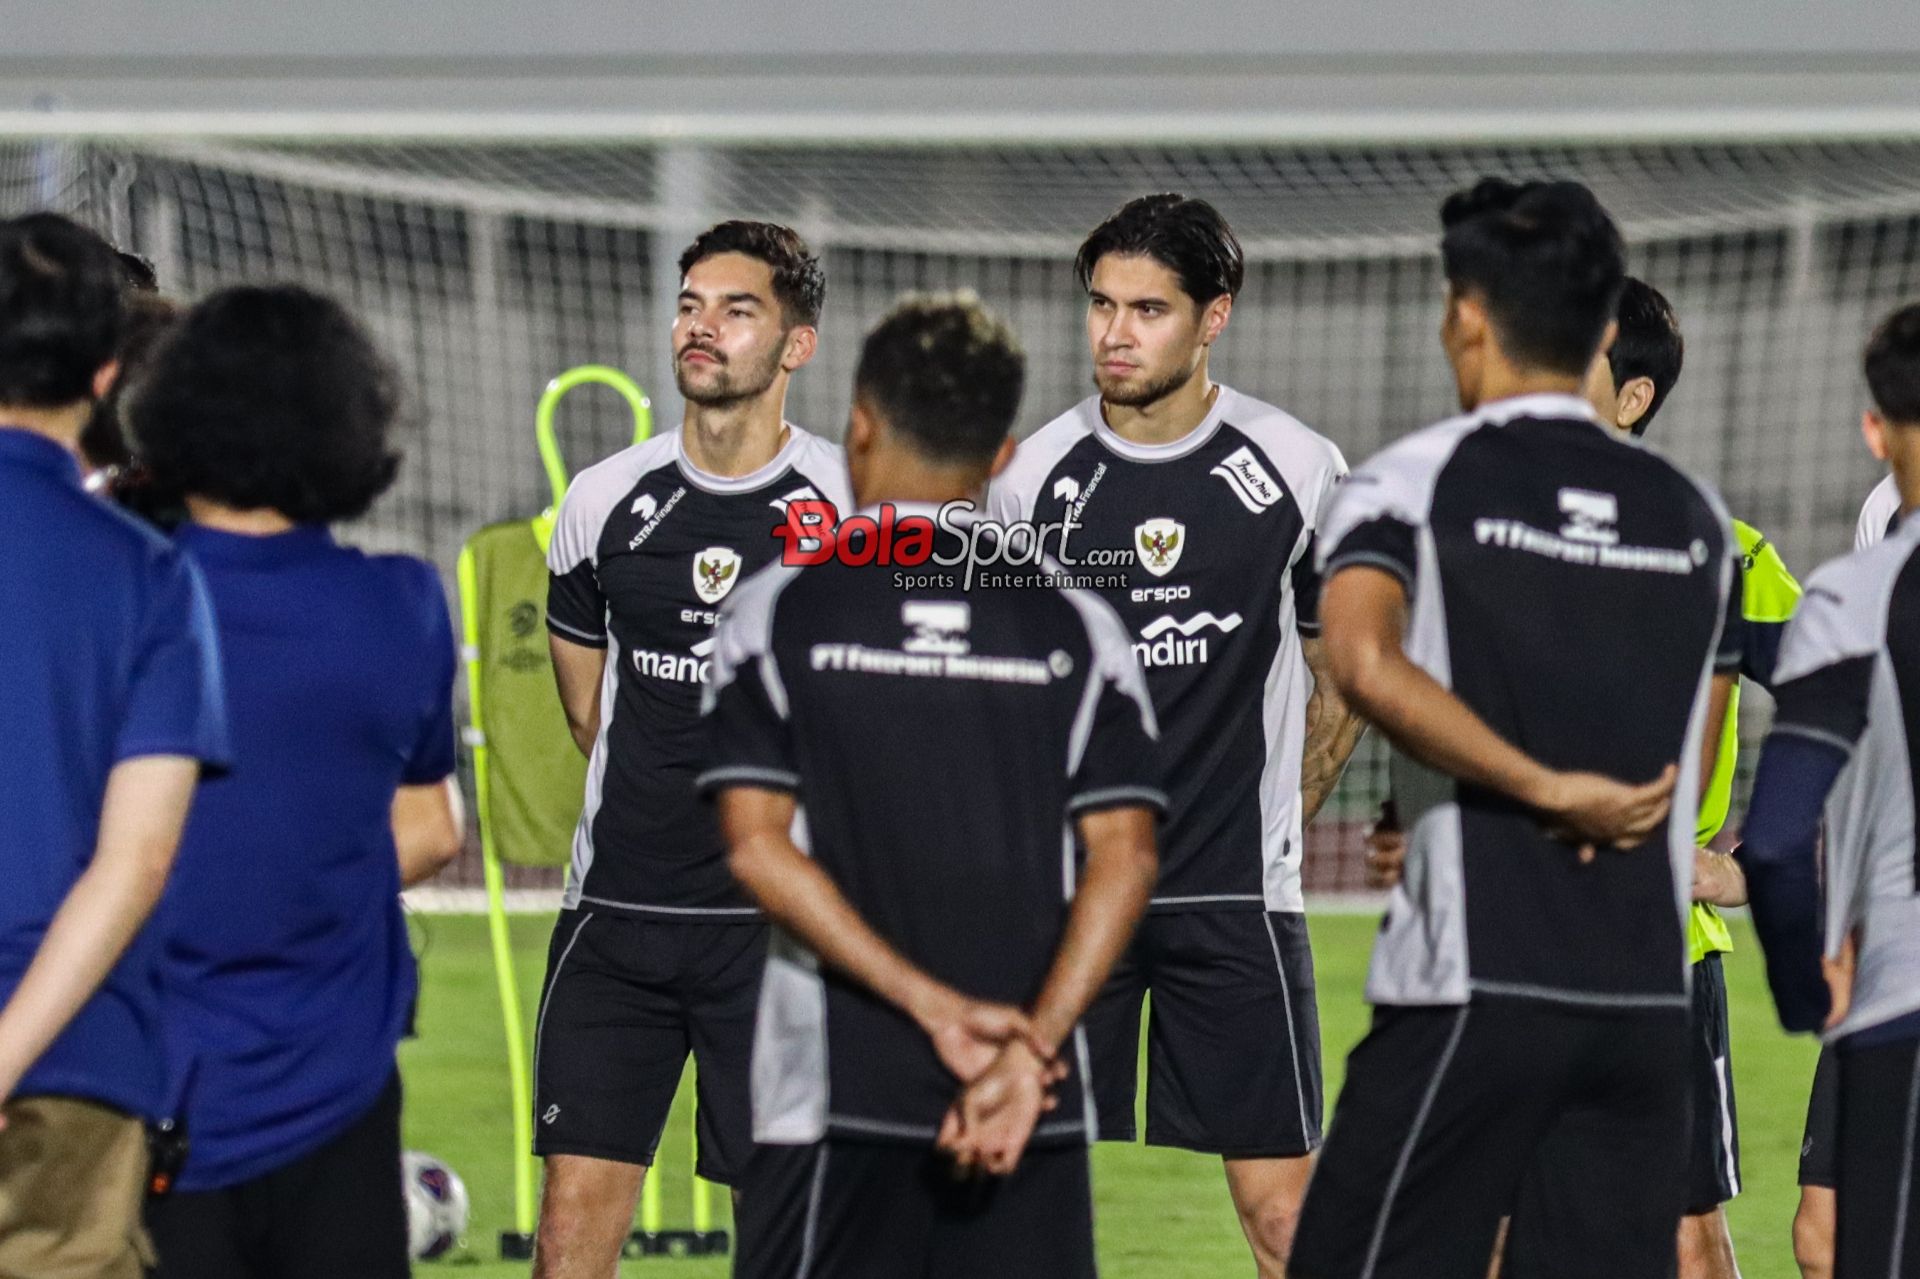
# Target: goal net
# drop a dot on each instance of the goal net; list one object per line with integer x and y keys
{"x": 486, "y": 268}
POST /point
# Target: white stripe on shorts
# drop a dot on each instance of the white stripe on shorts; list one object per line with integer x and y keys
{"x": 808, "y": 1236}
{"x": 1413, "y": 1138}
{"x": 540, "y": 1027}
{"x": 1293, "y": 1043}
{"x": 1724, "y": 1092}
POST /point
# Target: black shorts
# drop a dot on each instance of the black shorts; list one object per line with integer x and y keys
{"x": 626, "y": 1000}
{"x": 1878, "y": 1162}
{"x": 1713, "y": 1157}
{"x": 338, "y": 1210}
{"x": 1233, "y": 1044}
{"x": 868, "y": 1210}
{"x": 1445, "y": 1125}
{"x": 1822, "y": 1140}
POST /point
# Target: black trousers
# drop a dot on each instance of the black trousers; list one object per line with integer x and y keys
{"x": 335, "y": 1212}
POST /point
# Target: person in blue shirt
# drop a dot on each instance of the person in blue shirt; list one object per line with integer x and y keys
{"x": 110, "y": 706}
{"x": 290, "y": 980}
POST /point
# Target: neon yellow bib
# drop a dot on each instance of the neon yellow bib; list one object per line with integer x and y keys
{"x": 1770, "y": 595}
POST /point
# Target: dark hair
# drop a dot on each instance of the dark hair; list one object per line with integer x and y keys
{"x": 946, "y": 374}
{"x": 799, "y": 285}
{"x": 269, "y": 397}
{"x": 1184, "y": 235}
{"x": 1648, "y": 345}
{"x": 138, "y": 272}
{"x": 103, "y": 439}
{"x": 61, "y": 310}
{"x": 1893, "y": 366}
{"x": 1545, "y": 259}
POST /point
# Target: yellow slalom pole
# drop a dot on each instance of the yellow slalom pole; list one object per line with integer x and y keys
{"x": 599, "y": 374}
{"x": 519, "y": 1084}
{"x": 702, "y": 1188}
{"x": 652, "y": 1216}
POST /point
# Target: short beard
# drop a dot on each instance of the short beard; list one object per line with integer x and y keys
{"x": 725, "y": 390}
{"x": 1151, "y": 393}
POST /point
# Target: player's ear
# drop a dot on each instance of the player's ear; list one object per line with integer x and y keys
{"x": 1001, "y": 458}
{"x": 1466, "y": 319}
{"x": 1873, "y": 429}
{"x": 104, "y": 377}
{"x": 1213, "y": 319}
{"x": 1635, "y": 398}
{"x": 1463, "y": 335}
{"x": 802, "y": 341}
{"x": 860, "y": 429}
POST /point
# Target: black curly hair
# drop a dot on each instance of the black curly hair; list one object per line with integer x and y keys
{"x": 61, "y": 310}
{"x": 138, "y": 271}
{"x": 1545, "y": 259}
{"x": 269, "y": 397}
{"x": 946, "y": 374}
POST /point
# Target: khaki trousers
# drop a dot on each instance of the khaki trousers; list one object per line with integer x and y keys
{"x": 73, "y": 1176}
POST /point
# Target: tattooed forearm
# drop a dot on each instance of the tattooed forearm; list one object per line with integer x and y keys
{"x": 1332, "y": 732}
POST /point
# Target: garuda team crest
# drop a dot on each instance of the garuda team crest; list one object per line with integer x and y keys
{"x": 1159, "y": 543}
{"x": 715, "y": 570}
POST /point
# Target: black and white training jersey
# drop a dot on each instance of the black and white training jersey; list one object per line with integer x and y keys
{"x": 1577, "y": 591}
{"x": 940, "y": 742}
{"x": 1218, "y": 531}
{"x": 645, "y": 548}
{"x": 1849, "y": 675}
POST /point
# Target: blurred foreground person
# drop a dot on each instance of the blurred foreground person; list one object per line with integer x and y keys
{"x": 290, "y": 980}
{"x": 109, "y": 708}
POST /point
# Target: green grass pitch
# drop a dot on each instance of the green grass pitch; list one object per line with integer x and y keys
{"x": 1162, "y": 1214}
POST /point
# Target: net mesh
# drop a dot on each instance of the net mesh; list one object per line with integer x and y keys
{"x": 487, "y": 268}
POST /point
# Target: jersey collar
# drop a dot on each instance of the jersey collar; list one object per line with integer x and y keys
{"x": 960, "y": 517}
{"x": 738, "y": 483}
{"x": 217, "y": 546}
{"x": 1158, "y": 452}
{"x": 30, "y": 448}
{"x": 1546, "y": 405}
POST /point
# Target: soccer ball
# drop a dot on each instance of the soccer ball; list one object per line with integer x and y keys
{"x": 436, "y": 1206}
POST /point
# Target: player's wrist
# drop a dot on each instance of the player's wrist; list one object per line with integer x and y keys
{"x": 1544, "y": 789}
{"x": 1045, "y": 1037}
{"x": 932, "y": 1006}
{"x": 1025, "y": 1055}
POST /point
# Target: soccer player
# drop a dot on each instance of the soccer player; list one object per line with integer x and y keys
{"x": 290, "y": 980}
{"x": 1530, "y": 1041}
{"x": 110, "y": 707}
{"x": 1627, "y": 387}
{"x": 945, "y": 744}
{"x": 657, "y": 952}
{"x": 1218, "y": 496}
{"x": 1840, "y": 749}
{"x": 1813, "y": 1221}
